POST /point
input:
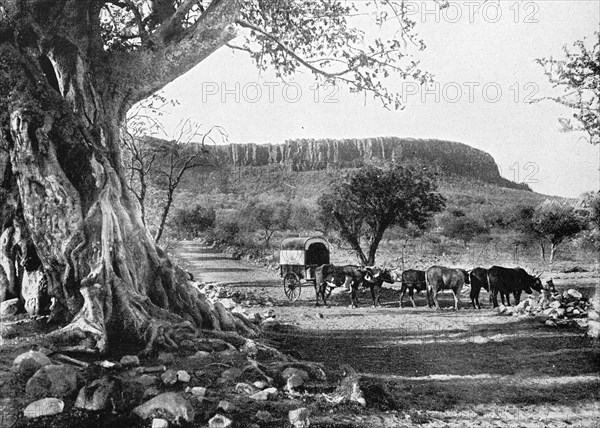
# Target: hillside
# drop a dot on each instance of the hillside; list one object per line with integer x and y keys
{"x": 301, "y": 155}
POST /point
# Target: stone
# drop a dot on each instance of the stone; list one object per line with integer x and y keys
{"x": 160, "y": 423}
{"x": 299, "y": 418}
{"x": 231, "y": 374}
{"x": 107, "y": 364}
{"x": 560, "y": 312}
{"x": 294, "y": 381}
{"x": 198, "y": 391}
{"x": 263, "y": 416}
{"x": 30, "y": 362}
{"x": 130, "y": 361}
{"x": 10, "y": 307}
{"x": 244, "y": 388}
{"x": 219, "y": 421}
{"x": 288, "y": 372}
{"x": 166, "y": 358}
{"x": 183, "y": 376}
{"x": 593, "y": 315}
{"x": 357, "y": 395}
{"x": 264, "y": 394}
{"x": 52, "y": 381}
{"x": 550, "y": 323}
{"x": 228, "y": 303}
{"x": 153, "y": 391}
{"x": 593, "y": 329}
{"x": 44, "y": 407}
{"x": 556, "y": 304}
{"x": 260, "y": 384}
{"x": 146, "y": 380}
{"x": 574, "y": 293}
{"x": 169, "y": 377}
{"x": 582, "y": 323}
{"x": 226, "y": 406}
{"x": 97, "y": 395}
{"x": 168, "y": 405}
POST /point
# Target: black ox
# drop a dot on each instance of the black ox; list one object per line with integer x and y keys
{"x": 412, "y": 280}
{"x": 511, "y": 280}
{"x": 479, "y": 280}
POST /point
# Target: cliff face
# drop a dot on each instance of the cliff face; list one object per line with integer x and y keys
{"x": 446, "y": 157}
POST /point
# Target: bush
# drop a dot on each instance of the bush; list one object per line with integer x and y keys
{"x": 227, "y": 232}
{"x": 189, "y": 223}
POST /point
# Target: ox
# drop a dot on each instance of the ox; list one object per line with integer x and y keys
{"x": 511, "y": 280}
{"x": 479, "y": 280}
{"x": 440, "y": 278}
{"x": 412, "y": 280}
{"x": 336, "y": 276}
{"x": 374, "y": 278}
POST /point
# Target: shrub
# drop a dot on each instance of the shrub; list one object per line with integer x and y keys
{"x": 189, "y": 223}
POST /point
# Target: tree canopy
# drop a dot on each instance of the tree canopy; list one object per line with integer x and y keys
{"x": 577, "y": 75}
{"x": 371, "y": 199}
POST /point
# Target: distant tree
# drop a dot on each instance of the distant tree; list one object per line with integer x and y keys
{"x": 578, "y": 76}
{"x": 463, "y": 227}
{"x": 556, "y": 222}
{"x": 267, "y": 217}
{"x": 190, "y": 222}
{"x": 370, "y": 200}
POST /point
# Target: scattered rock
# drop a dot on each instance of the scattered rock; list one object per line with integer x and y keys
{"x": 130, "y": 361}
{"x": 105, "y": 364}
{"x": 244, "y": 388}
{"x": 146, "y": 380}
{"x": 97, "y": 395}
{"x": 263, "y": 416}
{"x": 593, "y": 329}
{"x": 30, "y": 362}
{"x": 153, "y": 391}
{"x": 550, "y": 323}
{"x": 198, "y": 391}
{"x": 44, "y": 407}
{"x": 264, "y": 394}
{"x": 169, "y": 377}
{"x": 231, "y": 374}
{"x": 169, "y": 405}
{"x": 290, "y": 371}
{"x": 294, "y": 381}
{"x": 574, "y": 293}
{"x": 299, "y": 418}
{"x": 52, "y": 381}
{"x": 219, "y": 421}
{"x": 8, "y": 308}
{"x": 160, "y": 423}
{"x": 228, "y": 303}
{"x": 226, "y": 406}
{"x": 166, "y": 358}
{"x": 183, "y": 376}
{"x": 260, "y": 384}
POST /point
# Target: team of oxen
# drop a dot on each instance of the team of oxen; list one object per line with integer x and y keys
{"x": 496, "y": 280}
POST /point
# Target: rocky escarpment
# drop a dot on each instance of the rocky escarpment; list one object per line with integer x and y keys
{"x": 445, "y": 157}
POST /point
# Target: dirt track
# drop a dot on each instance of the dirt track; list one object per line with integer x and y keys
{"x": 444, "y": 368}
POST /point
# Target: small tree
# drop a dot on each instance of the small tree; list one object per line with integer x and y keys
{"x": 189, "y": 223}
{"x": 464, "y": 228}
{"x": 370, "y": 200}
{"x": 267, "y": 217}
{"x": 578, "y": 76}
{"x": 556, "y": 223}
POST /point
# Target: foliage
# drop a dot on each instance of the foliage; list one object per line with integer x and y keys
{"x": 266, "y": 217}
{"x": 189, "y": 223}
{"x": 463, "y": 227}
{"x": 371, "y": 199}
{"x": 556, "y": 222}
{"x": 227, "y": 232}
{"x": 578, "y": 76}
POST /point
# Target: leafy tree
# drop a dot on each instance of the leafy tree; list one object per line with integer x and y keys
{"x": 267, "y": 217}
{"x": 191, "y": 222}
{"x": 578, "y": 76}
{"x": 71, "y": 70}
{"x": 370, "y": 200}
{"x": 556, "y": 222}
{"x": 463, "y": 227}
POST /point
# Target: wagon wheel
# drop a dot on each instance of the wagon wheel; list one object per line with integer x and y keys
{"x": 292, "y": 287}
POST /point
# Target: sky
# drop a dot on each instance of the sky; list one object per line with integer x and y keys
{"x": 482, "y": 55}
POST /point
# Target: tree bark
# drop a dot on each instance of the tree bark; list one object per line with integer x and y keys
{"x": 62, "y": 101}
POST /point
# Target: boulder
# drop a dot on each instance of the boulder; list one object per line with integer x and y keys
{"x": 146, "y": 380}
{"x": 30, "y": 362}
{"x": 226, "y": 406}
{"x": 259, "y": 384}
{"x": 44, "y": 407}
{"x": 10, "y": 307}
{"x": 294, "y": 381}
{"x": 244, "y": 388}
{"x": 160, "y": 423}
{"x": 290, "y": 371}
{"x": 231, "y": 374}
{"x": 574, "y": 293}
{"x": 166, "y": 358}
{"x": 264, "y": 394}
{"x": 169, "y": 377}
{"x": 556, "y": 304}
{"x": 98, "y": 394}
{"x": 130, "y": 361}
{"x": 219, "y": 421}
{"x": 198, "y": 391}
{"x": 299, "y": 418}
{"x": 263, "y": 416}
{"x": 168, "y": 405}
{"x": 183, "y": 376}
{"x": 52, "y": 381}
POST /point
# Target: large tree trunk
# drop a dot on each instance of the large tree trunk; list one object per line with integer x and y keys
{"x": 63, "y": 187}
